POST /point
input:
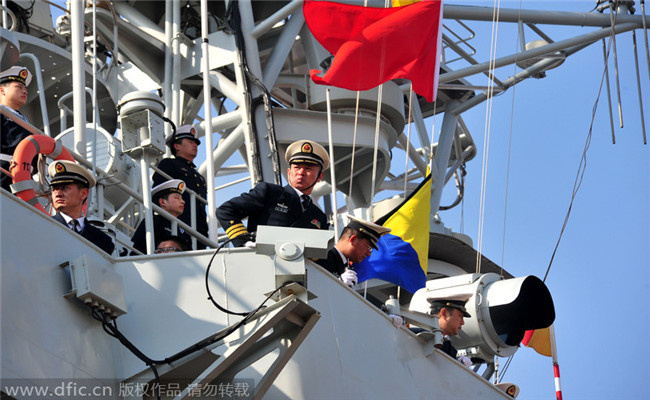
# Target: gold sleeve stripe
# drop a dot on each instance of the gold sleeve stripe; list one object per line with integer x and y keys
{"x": 235, "y": 227}
{"x": 236, "y": 230}
{"x": 233, "y": 235}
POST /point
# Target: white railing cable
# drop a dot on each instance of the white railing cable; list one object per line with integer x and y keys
{"x": 486, "y": 136}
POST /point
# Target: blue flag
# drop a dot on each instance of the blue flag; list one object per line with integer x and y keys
{"x": 402, "y": 254}
{"x": 395, "y": 261}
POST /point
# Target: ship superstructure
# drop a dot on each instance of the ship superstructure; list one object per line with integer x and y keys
{"x": 113, "y": 78}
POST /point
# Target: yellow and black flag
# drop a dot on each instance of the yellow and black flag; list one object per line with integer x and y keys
{"x": 402, "y": 254}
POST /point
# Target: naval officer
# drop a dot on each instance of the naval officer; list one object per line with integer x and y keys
{"x": 169, "y": 196}
{"x": 270, "y": 204}
{"x": 13, "y": 95}
{"x": 70, "y": 186}
{"x": 451, "y": 313}
{"x": 184, "y": 146}
{"x": 171, "y": 244}
{"x": 357, "y": 241}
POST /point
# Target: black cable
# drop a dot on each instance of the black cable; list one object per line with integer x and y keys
{"x": 29, "y": 11}
{"x": 460, "y": 188}
{"x": 170, "y": 123}
{"x": 233, "y": 24}
{"x": 111, "y": 330}
{"x": 251, "y": 236}
{"x": 22, "y": 15}
{"x": 213, "y": 339}
{"x": 110, "y": 327}
{"x": 270, "y": 128}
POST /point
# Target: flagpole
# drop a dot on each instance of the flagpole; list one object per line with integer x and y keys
{"x": 335, "y": 208}
{"x": 408, "y": 138}
{"x": 556, "y": 366}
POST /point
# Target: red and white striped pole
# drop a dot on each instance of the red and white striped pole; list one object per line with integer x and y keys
{"x": 556, "y": 373}
{"x": 556, "y": 366}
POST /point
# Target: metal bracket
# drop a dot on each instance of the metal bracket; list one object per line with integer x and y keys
{"x": 277, "y": 331}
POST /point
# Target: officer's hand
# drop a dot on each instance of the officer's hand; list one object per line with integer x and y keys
{"x": 250, "y": 245}
{"x": 349, "y": 277}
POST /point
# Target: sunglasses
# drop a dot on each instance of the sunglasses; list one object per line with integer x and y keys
{"x": 167, "y": 250}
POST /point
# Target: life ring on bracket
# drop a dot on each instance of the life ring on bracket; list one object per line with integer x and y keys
{"x": 20, "y": 168}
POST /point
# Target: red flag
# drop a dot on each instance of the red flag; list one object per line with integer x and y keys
{"x": 539, "y": 340}
{"x": 374, "y": 45}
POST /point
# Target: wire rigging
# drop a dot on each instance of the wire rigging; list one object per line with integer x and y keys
{"x": 505, "y": 368}
{"x": 512, "y": 113}
{"x": 582, "y": 165}
{"x": 486, "y": 137}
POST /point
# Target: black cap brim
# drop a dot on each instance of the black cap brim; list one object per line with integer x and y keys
{"x": 62, "y": 180}
{"x": 451, "y": 304}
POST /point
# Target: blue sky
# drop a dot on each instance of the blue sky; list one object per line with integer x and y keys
{"x": 601, "y": 273}
{"x": 600, "y": 276}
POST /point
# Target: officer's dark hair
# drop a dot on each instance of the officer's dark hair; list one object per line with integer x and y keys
{"x": 172, "y": 148}
{"x": 162, "y": 196}
{"x": 347, "y": 232}
{"x": 9, "y": 81}
{"x": 182, "y": 243}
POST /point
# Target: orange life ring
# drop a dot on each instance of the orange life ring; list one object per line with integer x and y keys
{"x": 21, "y": 163}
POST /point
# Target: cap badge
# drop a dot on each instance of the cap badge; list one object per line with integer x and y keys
{"x": 181, "y": 186}
{"x": 306, "y": 148}
{"x": 23, "y": 73}
{"x": 60, "y": 168}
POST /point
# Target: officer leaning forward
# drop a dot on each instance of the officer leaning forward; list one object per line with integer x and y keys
{"x": 356, "y": 242}
{"x": 451, "y": 313}
{"x": 270, "y": 204}
{"x": 184, "y": 147}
